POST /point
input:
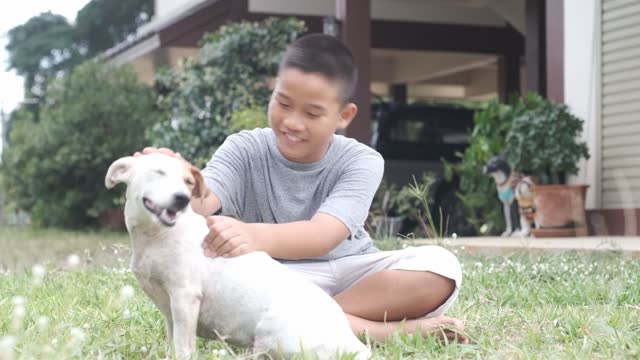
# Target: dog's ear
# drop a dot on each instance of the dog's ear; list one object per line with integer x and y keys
{"x": 200, "y": 189}
{"x": 119, "y": 172}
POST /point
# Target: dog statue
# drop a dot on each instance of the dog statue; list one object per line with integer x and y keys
{"x": 248, "y": 301}
{"x": 515, "y": 193}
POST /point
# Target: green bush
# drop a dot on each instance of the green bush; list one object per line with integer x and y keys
{"x": 55, "y": 168}
{"x": 544, "y": 142}
{"x": 488, "y": 138}
{"x": 207, "y": 99}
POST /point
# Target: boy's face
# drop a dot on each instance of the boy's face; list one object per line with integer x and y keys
{"x": 304, "y": 112}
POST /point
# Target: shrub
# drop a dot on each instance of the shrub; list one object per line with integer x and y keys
{"x": 207, "y": 99}
{"x": 55, "y": 168}
{"x": 544, "y": 142}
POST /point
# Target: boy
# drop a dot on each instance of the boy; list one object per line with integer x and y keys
{"x": 302, "y": 195}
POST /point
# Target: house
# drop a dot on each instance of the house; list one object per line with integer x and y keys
{"x": 581, "y": 52}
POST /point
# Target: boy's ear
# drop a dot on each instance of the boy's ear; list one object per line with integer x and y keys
{"x": 119, "y": 171}
{"x": 347, "y": 114}
{"x": 200, "y": 189}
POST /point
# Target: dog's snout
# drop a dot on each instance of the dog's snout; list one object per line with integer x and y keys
{"x": 180, "y": 201}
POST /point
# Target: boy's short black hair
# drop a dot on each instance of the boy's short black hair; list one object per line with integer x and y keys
{"x": 327, "y": 56}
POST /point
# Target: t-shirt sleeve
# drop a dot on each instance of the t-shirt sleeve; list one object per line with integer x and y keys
{"x": 226, "y": 172}
{"x": 351, "y": 197}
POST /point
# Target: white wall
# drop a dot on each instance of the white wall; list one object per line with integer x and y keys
{"x": 580, "y": 84}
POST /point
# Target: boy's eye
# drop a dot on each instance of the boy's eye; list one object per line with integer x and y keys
{"x": 286, "y": 106}
{"x": 313, "y": 115}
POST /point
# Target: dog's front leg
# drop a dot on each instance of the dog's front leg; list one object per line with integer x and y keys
{"x": 168, "y": 322}
{"x": 185, "y": 307}
{"x": 506, "y": 208}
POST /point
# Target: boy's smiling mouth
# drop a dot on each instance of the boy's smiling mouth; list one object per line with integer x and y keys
{"x": 291, "y": 139}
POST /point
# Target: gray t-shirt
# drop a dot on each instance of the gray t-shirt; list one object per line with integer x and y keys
{"x": 257, "y": 184}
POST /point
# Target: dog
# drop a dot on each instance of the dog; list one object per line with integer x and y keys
{"x": 513, "y": 186}
{"x": 248, "y": 301}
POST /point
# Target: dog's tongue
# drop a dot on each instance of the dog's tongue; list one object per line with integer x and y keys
{"x": 168, "y": 216}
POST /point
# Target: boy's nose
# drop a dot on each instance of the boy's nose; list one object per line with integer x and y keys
{"x": 293, "y": 123}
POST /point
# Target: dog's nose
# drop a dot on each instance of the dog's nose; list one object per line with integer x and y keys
{"x": 180, "y": 201}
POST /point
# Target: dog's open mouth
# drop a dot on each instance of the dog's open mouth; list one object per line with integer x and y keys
{"x": 165, "y": 215}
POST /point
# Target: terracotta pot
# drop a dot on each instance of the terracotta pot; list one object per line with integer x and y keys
{"x": 560, "y": 207}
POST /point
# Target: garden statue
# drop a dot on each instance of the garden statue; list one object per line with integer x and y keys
{"x": 515, "y": 193}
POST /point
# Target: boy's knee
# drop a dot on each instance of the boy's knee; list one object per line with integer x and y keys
{"x": 440, "y": 261}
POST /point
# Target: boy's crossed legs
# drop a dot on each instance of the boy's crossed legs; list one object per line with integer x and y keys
{"x": 380, "y": 290}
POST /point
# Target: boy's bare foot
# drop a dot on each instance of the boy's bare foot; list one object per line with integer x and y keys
{"x": 441, "y": 326}
{"x": 446, "y": 328}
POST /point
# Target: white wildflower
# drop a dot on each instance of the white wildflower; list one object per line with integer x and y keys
{"x": 126, "y": 292}
{"x": 7, "y": 346}
{"x": 38, "y": 272}
{"x": 77, "y": 335}
{"x": 19, "y": 312}
{"x": 18, "y": 300}
{"x": 42, "y": 322}
{"x": 73, "y": 261}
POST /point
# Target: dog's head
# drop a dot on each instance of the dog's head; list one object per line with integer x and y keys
{"x": 498, "y": 168}
{"x": 159, "y": 187}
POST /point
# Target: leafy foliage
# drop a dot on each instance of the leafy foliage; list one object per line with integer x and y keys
{"x": 412, "y": 202}
{"x": 48, "y": 45}
{"x": 488, "y": 138}
{"x": 55, "y": 168}
{"x": 39, "y": 48}
{"x": 101, "y": 24}
{"x": 209, "y": 98}
{"x": 543, "y": 141}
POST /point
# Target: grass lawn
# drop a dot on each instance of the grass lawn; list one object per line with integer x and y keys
{"x": 53, "y": 305}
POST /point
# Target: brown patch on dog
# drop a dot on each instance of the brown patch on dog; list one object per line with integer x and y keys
{"x": 194, "y": 180}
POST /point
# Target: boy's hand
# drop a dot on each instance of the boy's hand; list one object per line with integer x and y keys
{"x": 228, "y": 237}
{"x": 166, "y": 151}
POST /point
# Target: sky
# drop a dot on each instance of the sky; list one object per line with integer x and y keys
{"x": 16, "y": 14}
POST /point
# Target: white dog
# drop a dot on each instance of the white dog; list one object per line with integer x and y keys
{"x": 249, "y": 301}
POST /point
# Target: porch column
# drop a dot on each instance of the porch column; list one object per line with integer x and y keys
{"x": 399, "y": 93}
{"x": 554, "y": 15}
{"x": 535, "y": 47}
{"x": 508, "y": 75}
{"x": 544, "y": 46}
{"x": 355, "y": 31}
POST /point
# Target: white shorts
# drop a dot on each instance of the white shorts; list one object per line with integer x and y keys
{"x": 336, "y": 276}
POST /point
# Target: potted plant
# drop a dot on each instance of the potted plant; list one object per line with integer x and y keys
{"x": 402, "y": 210}
{"x": 384, "y": 219}
{"x": 543, "y": 142}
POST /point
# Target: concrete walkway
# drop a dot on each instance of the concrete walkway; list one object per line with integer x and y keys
{"x": 628, "y": 245}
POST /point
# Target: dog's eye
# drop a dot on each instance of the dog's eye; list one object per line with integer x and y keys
{"x": 160, "y": 172}
{"x": 189, "y": 182}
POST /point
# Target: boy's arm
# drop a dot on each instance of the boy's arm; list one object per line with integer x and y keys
{"x": 300, "y": 239}
{"x": 206, "y": 206}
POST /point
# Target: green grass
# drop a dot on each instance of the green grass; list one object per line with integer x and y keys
{"x": 523, "y": 306}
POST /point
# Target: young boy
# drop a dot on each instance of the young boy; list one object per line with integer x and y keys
{"x": 301, "y": 193}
